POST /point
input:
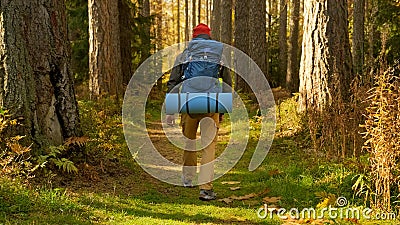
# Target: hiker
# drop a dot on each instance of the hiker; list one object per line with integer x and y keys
{"x": 209, "y": 122}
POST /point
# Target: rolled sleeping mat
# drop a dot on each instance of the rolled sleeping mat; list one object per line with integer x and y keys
{"x": 198, "y": 103}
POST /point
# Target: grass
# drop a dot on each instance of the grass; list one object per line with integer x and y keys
{"x": 113, "y": 189}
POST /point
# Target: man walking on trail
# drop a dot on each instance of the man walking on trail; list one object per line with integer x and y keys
{"x": 209, "y": 122}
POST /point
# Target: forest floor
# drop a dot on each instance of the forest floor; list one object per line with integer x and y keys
{"x": 111, "y": 188}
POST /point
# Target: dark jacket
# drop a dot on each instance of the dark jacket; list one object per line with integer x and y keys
{"x": 178, "y": 69}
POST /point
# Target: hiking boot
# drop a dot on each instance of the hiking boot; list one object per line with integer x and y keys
{"x": 187, "y": 183}
{"x": 207, "y": 195}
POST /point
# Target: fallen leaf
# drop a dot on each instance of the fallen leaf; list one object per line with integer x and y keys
{"x": 271, "y": 199}
{"x": 234, "y": 197}
{"x": 226, "y": 200}
{"x": 230, "y": 182}
{"x": 234, "y": 188}
{"x": 244, "y": 197}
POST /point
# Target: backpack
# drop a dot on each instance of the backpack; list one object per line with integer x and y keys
{"x": 202, "y": 59}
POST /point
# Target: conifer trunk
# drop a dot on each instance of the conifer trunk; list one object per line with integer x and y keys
{"x": 216, "y": 20}
{"x": 292, "y": 76}
{"x": 326, "y": 63}
{"x": 282, "y": 41}
{"x": 36, "y": 84}
{"x": 226, "y": 27}
{"x": 105, "y": 73}
{"x": 242, "y": 12}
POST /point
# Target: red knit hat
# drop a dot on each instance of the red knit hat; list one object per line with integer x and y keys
{"x": 201, "y": 29}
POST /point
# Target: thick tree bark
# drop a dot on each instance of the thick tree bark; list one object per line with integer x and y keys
{"x": 36, "y": 84}
{"x": 358, "y": 37}
{"x": 282, "y": 41}
{"x": 257, "y": 33}
{"x": 226, "y": 23}
{"x": 292, "y": 76}
{"x": 105, "y": 74}
{"x": 242, "y": 28}
{"x": 326, "y": 64}
{"x": 216, "y": 20}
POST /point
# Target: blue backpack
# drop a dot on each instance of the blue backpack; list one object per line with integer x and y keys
{"x": 202, "y": 58}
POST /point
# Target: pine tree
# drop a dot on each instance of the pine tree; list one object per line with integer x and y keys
{"x": 292, "y": 76}
{"x": 326, "y": 64}
{"x": 105, "y": 73}
{"x": 36, "y": 83}
{"x": 358, "y": 36}
{"x": 216, "y": 20}
{"x": 226, "y": 22}
{"x": 282, "y": 41}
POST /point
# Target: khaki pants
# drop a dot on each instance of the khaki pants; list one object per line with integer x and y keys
{"x": 209, "y": 133}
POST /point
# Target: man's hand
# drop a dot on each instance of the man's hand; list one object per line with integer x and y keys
{"x": 170, "y": 119}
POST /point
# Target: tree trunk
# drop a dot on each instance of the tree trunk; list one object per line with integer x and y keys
{"x": 208, "y": 12}
{"x": 187, "y": 20}
{"x": 194, "y": 21}
{"x": 269, "y": 40}
{"x": 325, "y": 71}
{"x": 372, "y": 7}
{"x": 179, "y": 20}
{"x": 242, "y": 12}
{"x": 125, "y": 29}
{"x": 292, "y": 76}
{"x": 282, "y": 41}
{"x": 199, "y": 12}
{"x": 216, "y": 20}
{"x": 105, "y": 73}
{"x": 257, "y": 33}
{"x": 36, "y": 84}
{"x": 226, "y": 23}
{"x": 358, "y": 37}
{"x": 159, "y": 40}
{"x": 145, "y": 14}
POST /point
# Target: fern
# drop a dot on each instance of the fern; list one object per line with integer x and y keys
{"x": 65, "y": 165}
{"x": 79, "y": 141}
{"x": 53, "y": 157}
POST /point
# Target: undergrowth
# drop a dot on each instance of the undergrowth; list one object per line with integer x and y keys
{"x": 101, "y": 192}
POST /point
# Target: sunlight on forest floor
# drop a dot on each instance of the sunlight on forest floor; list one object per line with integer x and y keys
{"x": 115, "y": 190}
